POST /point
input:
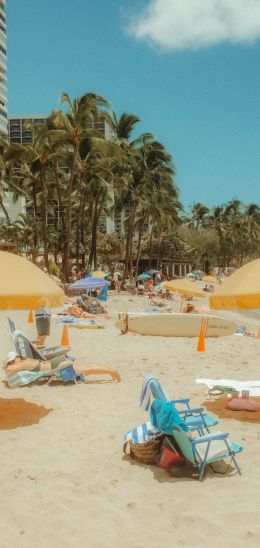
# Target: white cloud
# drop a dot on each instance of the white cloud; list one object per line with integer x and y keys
{"x": 193, "y": 24}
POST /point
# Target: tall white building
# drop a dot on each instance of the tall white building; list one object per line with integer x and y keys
{"x": 3, "y": 69}
{"x": 3, "y": 93}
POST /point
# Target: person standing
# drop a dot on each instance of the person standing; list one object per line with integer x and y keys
{"x": 117, "y": 281}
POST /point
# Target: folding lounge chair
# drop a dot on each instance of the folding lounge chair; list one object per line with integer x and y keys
{"x": 194, "y": 418}
{"x": 24, "y": 347}
{"x": 207, "y": 449}
{"x": 23, "y": 378}
{"x": 49, "y": 352}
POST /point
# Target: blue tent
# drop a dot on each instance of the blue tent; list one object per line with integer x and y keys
{"x": 143, "y": 276}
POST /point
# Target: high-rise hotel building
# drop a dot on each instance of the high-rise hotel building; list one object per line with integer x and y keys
{"x": 3, "y": 68}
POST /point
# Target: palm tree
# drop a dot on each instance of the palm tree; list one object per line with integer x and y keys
{"x": 199, "y": 216}
{"x": 72, "y": 129}
{"x": 123, "y": 128}
{"x": 252, "y": 220}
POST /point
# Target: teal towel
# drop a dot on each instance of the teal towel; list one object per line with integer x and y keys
{"x": 164, "y": 416}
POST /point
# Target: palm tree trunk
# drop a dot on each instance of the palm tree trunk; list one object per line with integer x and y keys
{"x": 44, "y": 222}
{"x": 97, "y": 212}
{"x": 150, "y": 249}
{"x": 139, "y": 248}
{"x": 93, "y": 243}
{"x": 129, "y": 242}
{"x": 68, "y": 222}
{"x": 79, "y": 220}
{"x": 58, "y": 189}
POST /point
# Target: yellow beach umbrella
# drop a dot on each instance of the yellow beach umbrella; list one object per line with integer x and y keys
{"x": 24, "y": 286}
{"x": 184, "y": 287}
{"x": 99, "y": 274}
{"x": 240, "y": 290}
{"x": 210, "y": 280}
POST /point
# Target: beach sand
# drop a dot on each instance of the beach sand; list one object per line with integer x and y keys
{"x": 64, "y": 480}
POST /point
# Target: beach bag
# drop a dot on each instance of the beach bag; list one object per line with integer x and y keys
{"x": 242, "y": 404}
{"x": 144, "y": 452}
{"x": 169, "y": 454}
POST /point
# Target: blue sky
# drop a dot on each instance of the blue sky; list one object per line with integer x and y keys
{"x": 192, "y": 76}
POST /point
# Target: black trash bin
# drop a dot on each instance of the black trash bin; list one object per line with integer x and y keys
{"x": 43, "y": 321}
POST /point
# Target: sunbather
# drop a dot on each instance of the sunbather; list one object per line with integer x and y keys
{"x": 190, "y": 309}
{"x": 161, "y": 305}
{"x": 15, "y": 363}
{"x": 78, "y": 312}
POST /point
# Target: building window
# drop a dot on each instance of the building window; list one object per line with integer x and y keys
{"x": 102, "y": 224}
{"x": 118, "y": 225}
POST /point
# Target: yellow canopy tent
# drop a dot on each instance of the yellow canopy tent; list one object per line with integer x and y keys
{"x": 240, "y": 290}
{"x": 184, "y": 287}
{"x": 24, "y": 286}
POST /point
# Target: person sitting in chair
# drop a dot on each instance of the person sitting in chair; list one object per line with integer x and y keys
{"x": 190, "y": 309}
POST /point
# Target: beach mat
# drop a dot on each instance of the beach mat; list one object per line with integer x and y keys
{"x": 218, "y": 408}
{"x": 85, "y": 326}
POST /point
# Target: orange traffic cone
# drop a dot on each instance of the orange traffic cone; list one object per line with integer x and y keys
{"x": 201, "y": 341}
{"x": 30, "y": 317}
{"x": 65, "y": 337}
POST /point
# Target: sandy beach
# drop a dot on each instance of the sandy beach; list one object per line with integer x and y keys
{"x": 64, "y": 480}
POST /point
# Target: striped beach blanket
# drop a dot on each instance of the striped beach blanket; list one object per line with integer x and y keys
{"x": 22, "y": 378}
{"x": 151, "y": 388}
{"x": 142, "y": 433}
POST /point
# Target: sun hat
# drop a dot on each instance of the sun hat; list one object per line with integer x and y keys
{"x": 11, "y": 357}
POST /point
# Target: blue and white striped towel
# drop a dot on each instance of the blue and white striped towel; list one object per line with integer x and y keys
{"x": 151, "y": 388}
{"x": 142, "y": 433}
{"x": 22, "y": 378}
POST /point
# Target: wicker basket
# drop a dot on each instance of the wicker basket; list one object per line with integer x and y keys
{"x": 144, "y": 452}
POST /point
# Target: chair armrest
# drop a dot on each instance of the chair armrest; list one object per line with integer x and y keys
{"x": 184, "y": 401}
{"x": 191, "y": 410}
{"x": 212, "y": 437}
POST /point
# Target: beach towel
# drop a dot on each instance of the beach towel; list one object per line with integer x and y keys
{"x": 79, "y": 323}
{"x": 23, "y": 378}
{"x": 151, "y": 388}
{"x": 252, "y": 386}
{"x": 164, "y": 416}
{"x": 73, "y": 320}
{"x": 142, "y": 433}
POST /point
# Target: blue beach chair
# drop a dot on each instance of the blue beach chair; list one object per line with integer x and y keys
{"x": 193, "y": 417}
{"x": 206, "y": 449}
{"x": 198, "y": 451}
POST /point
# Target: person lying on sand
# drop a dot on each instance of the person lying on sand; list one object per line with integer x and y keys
{"x": 89, "y": 310}
{"x": 166, "y": 308}
{"x": 15, "y": 363}
{"x": 158, "y": 302}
